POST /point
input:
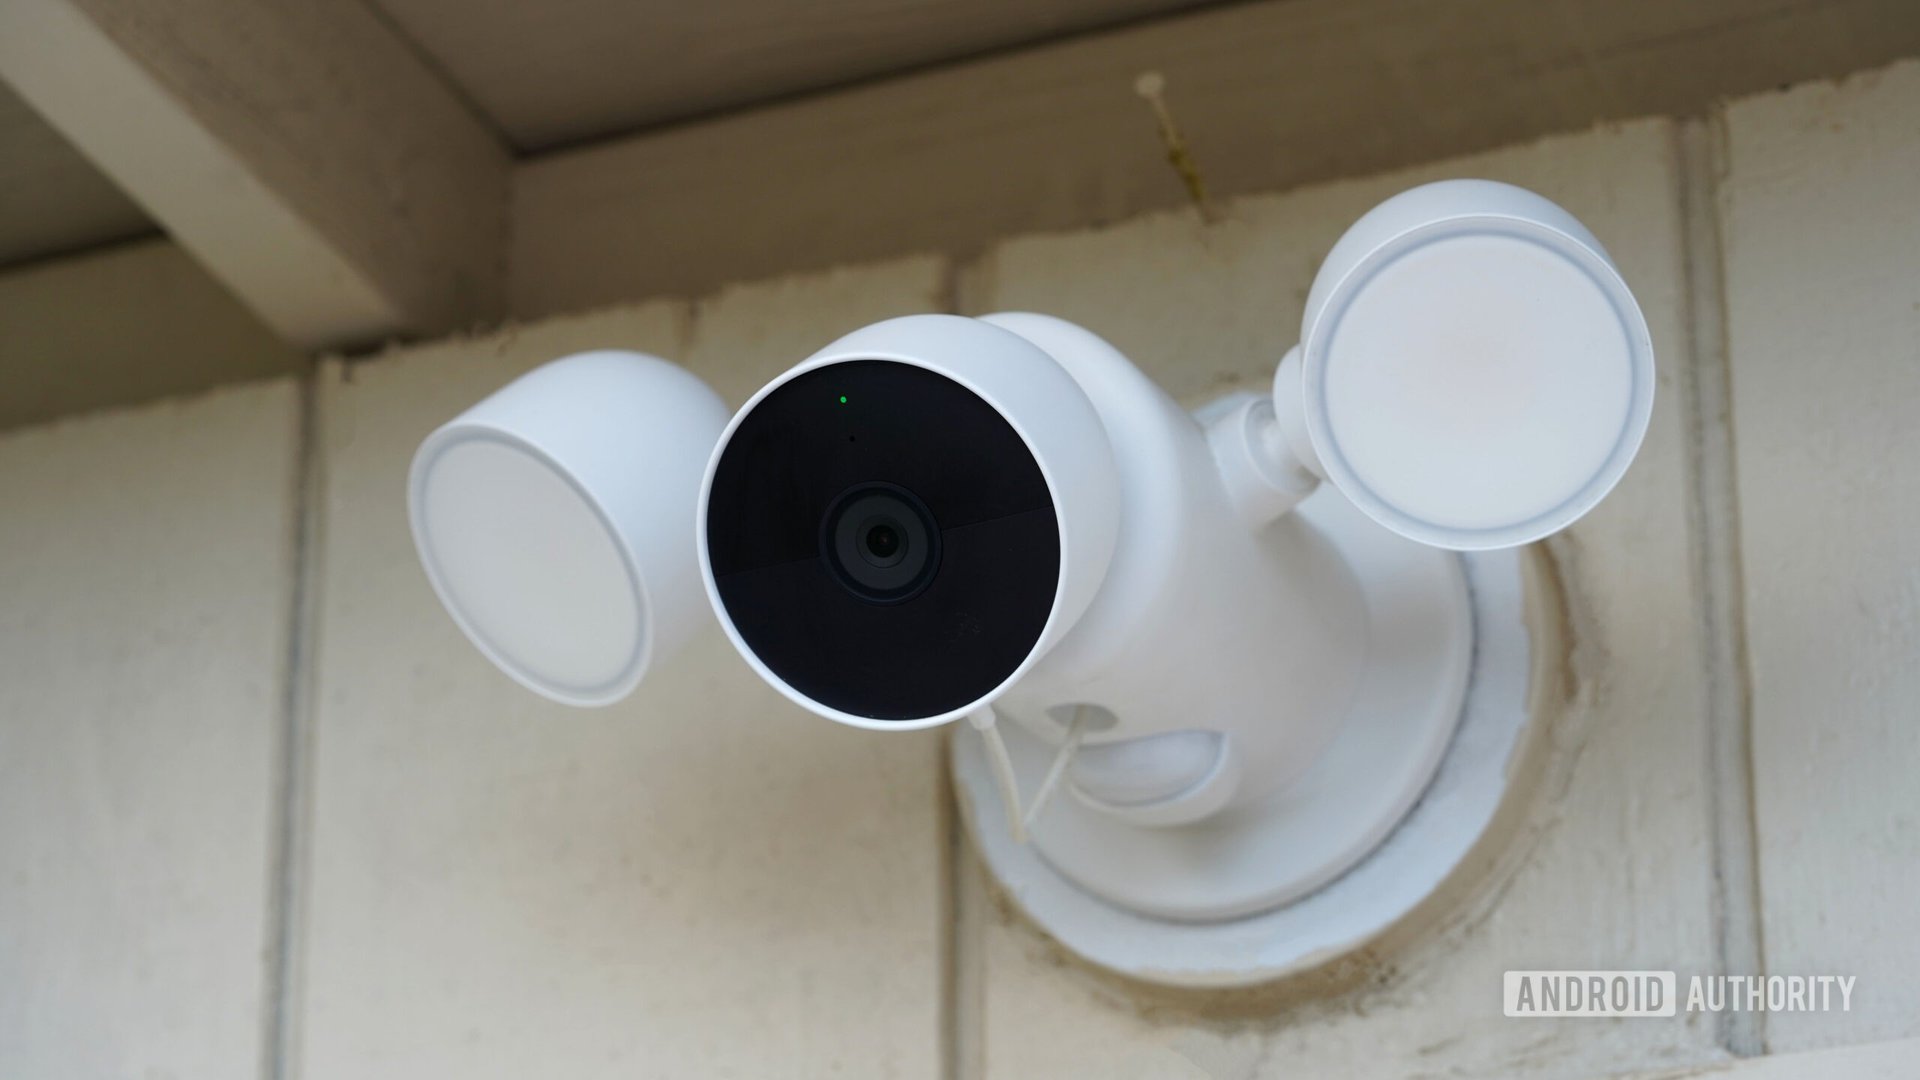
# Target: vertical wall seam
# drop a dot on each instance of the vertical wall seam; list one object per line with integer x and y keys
{"x": 289, "y": 827}
{"x": 1714, "y": 524}
{"x": 961, "y": 290}
{"x": 970, "y": 962}
{"x": 947, "y": 916}
{"x": 947, "y": 964}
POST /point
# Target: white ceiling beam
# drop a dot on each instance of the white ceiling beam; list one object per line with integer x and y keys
{"x": 297, "y": 148}
{"x": 1269, "y": 95}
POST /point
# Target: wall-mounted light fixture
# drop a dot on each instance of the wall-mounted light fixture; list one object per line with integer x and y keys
{"x": 1242, "y": 678}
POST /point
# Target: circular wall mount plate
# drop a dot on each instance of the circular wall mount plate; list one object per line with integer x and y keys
{"x": 1315, "y": 903}
{"x": 1264, "y": 851}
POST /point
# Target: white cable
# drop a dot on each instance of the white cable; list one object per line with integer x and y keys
{"x": 986, "y": 723}
{"x": 1058, "y": 768}
{"x": 983, "y": 721}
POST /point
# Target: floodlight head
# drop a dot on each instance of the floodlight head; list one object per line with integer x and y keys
{"x": 1474, "y": 372}
{"x": 555, "y": 520}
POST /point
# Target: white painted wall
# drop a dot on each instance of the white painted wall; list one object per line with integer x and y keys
{"x": 706, "y": 881}
{"x": 146, "y": 561}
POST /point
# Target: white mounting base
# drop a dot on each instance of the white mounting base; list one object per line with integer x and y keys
{"x": 1319, "y": 868}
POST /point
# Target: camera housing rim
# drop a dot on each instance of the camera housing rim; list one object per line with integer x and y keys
{"x": 1044, "y": 406}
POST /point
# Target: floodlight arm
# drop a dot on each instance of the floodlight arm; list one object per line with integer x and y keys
{"x": 1265, "y": 459}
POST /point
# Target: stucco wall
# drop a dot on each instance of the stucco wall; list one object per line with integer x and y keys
{"x": 252, "y": 780}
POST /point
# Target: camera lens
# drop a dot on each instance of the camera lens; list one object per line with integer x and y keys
{"x": 883, "y": 545}
{"x": 880, "y": 542}
{"x": 882, "y": 539}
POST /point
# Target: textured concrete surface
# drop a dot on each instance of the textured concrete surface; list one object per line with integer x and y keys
{"x": 145, "y": 569}
{"x": 1822, "y": 223}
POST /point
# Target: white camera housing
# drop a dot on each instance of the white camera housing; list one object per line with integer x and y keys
{"x": 1255, "y": 675}
{"x": 1055, "y": 433}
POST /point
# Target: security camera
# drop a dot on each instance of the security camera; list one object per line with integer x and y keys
{"x": 1251, "y": 620}
{"x": 899, "y": 528}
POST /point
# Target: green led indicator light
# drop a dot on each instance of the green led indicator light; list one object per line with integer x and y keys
{"x": 843, "y": 399}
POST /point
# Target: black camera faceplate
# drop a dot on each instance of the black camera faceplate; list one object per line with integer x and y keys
{"x": 864, "y": 422}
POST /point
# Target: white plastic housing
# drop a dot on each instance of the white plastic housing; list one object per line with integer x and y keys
{"x": 1474, "y": 372}
{"x": 1274, "y": 689}
{"x": 1204, "y": 623}
{"x": 1052, "y": 416}
{"x": 555, "y": 520}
